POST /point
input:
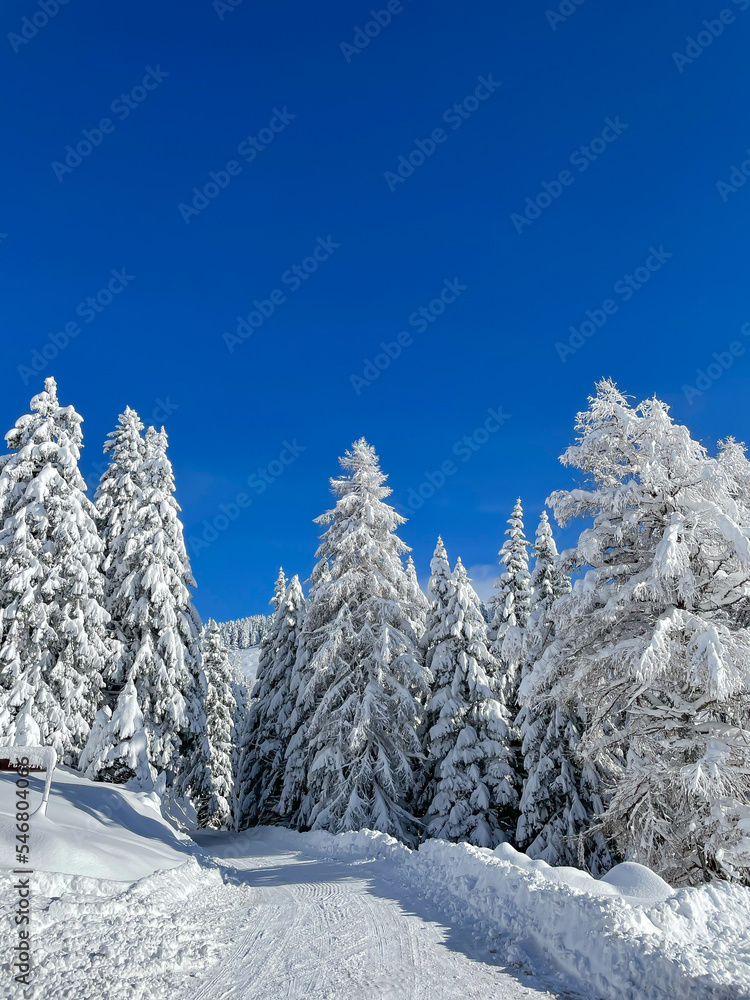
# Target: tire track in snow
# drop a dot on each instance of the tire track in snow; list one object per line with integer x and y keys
{"x": 317, "y": 930}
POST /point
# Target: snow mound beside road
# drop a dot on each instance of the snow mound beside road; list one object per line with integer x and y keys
{"x": 92, "y": 829}
{"x": 628, "y": 936}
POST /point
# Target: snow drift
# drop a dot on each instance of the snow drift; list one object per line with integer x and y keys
{"x": 93, "y": 829}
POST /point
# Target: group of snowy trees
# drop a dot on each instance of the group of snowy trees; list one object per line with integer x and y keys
{"x": 584, "y": 723}
{"x": 242, "y": 633}
{"x": 102, "y": 653}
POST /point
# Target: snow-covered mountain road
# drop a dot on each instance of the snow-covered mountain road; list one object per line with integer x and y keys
{"x": 333, "y": 930}
{"x": 124, "y": 907}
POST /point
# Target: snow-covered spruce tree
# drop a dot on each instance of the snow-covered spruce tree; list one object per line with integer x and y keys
{"x": 212, "y": 785}
{"x": 473, "y": 797}
{"x": 437, "y": 660}
{"x": 360, "y": 739}
{"x": 160, "y": 631}
{"x": 117, "y": 498}
{"x": 53, "y": 646}
{"x": 265, "y": 740}
{"x": 416, "y": 598}
{"x": 653, "y": 640}
{"x": 561, "y": 798}
{"x": 294, "y": 802}
{"x": 117, "y": 747}
{"x": 511, "y": 606}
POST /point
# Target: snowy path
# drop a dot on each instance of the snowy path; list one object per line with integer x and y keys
{"x": 330, "y": 930}
{"x": 125, "y": 908}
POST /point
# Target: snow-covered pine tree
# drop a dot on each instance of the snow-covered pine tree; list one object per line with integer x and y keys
{"x": 473, "y": 795}
{"x": 117, "y": 748}
{"x": 117, "y": 499}
{"x": 294, "y": 803}
{"x": 244, "y": 811}
{"x": 160, "y": 631}
{"x": 561, "y": 798}
{"x": 437, "y": 659}
{"x": 511, "y": 606}
{"x": 53, "y": 646}
{"x": 212, "y": 782}
{"x": 416, "y": 598}
{"x": 359, "y": 742}
{"x": 653, "y": 639}
{"x": 265, "y": 740}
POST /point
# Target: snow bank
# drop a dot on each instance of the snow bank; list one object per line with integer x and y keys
{"x": 628, "y": 936}
{"x": 95, "y": 939}
{"x": 93, "y": 829}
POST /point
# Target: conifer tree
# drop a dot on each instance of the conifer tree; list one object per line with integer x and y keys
{"x": 160, "y": 631}
{"x": 511, "y": 606}
{"x": 359, "y": 743}
{"x": 265, "y": 740}
{"x": 117, "y": 748}
{"x": 117, "y": 499}
{"x": 438, "y": 669}
{"x": 294, "y": 803}
{"x": 416, "y": 598}
{"x": 653, "y": 639}
{"x": 561, "y": 798}
{"x": 212, "y": 780}
{"x": 53, "y": 646}
{"x": 473, "y": 797}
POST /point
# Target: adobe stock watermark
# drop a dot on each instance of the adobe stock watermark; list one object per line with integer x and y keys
{"x": 464, "y": 449}
{"x": 122, "y": 106}
{"x": 224, "y": 7}
{"x": 454, "y": 116}
{"x": 87, "y": 310}
{"x": 624, "y": 288}
{"x": 565, "y": 11}
{"x": 711, "y": 30}
{"x": 581, "y": 158}
{"x": 420, "y": 320}
{"x": 293, "y": 278}
{"x": 363, "y": 36}
{"x": 258, "y": 482}
{"x": 738, "y": 177}
{"x": 722, "y": 362}
{"x": 31, "y": 26}
{"x": 248, "y": 149}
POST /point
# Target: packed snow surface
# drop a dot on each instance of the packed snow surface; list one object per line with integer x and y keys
{"x": 124, "y": 907}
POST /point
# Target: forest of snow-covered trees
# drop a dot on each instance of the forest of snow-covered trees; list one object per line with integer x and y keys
{"x": 598, "y": 709}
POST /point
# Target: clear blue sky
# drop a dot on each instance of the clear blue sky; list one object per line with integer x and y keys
{"x": 216, "y": 77}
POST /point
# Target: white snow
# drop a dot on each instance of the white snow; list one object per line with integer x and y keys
{"x": 247, "y": 663}
{"x": 94, "y": 829}
{"x": 140, "y": 911}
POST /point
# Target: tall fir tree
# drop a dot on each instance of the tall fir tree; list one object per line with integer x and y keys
{"x": 561, "y": 798}
{"x": 160, "y": 631}
{"x": 416, "y": 598}
{"x": 117, "y": 499}
{"x": 440, "y": 593}
{"x": 359, "y": 743}
{"x": 212, "y": 782}
{"x": 653, "y": 638}
{"x": 511, "y": 607}
{"x": 265, "y": 740}
{"x": 472, "y": 794}
{"x": 53, "y": 645}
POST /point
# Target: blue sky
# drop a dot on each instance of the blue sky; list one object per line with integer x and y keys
{"x": 555, "y": 169}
